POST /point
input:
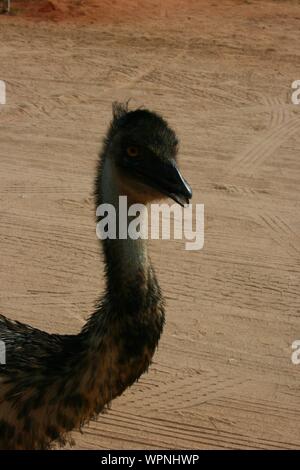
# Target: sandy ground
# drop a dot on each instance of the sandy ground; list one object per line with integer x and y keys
{"x": 221, "y": 72}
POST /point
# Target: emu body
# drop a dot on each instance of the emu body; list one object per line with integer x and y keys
{"x": 52, "y": 384}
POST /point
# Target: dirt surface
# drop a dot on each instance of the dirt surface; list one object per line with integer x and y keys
{"x": 221, "y": 72}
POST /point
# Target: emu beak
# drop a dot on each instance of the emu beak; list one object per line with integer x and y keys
{"x": 172, "y": 183}
{"x": 165, "y": 177}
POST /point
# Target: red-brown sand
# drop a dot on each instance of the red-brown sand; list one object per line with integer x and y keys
{"x": 221, "y": 72}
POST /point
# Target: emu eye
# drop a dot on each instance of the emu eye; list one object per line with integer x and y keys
{"x": 132, "y": 151}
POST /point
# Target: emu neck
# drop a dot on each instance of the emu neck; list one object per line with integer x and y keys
{"x": 126, "y": 259}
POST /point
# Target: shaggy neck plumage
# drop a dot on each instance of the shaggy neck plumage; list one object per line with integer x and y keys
{"x": 128, "y": 268}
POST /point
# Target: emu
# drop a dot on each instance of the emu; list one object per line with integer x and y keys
{"x": 51, "y": 383}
